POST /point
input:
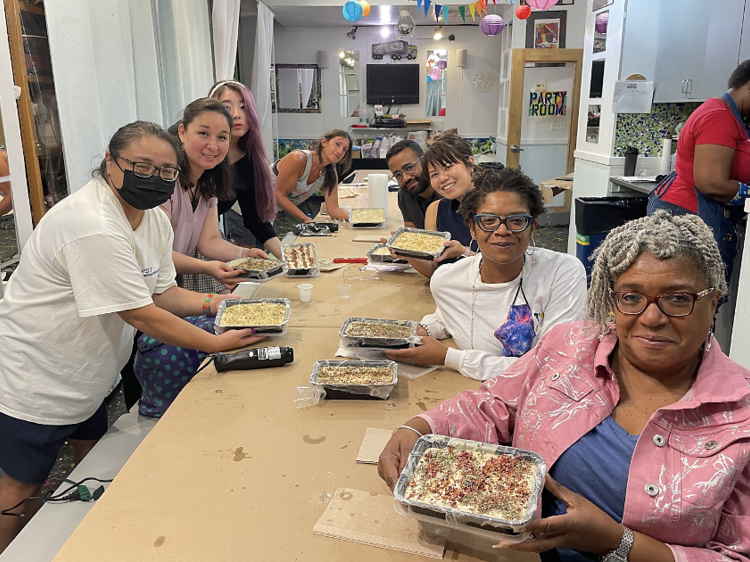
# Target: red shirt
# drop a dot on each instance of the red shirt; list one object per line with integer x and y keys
{"x": 712, "y": 123}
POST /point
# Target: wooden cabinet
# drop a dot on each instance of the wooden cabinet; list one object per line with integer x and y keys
{"x": 686, "y": 47}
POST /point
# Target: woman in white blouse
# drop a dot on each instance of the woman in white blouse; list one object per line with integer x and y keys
{"x": 496, "y": 304}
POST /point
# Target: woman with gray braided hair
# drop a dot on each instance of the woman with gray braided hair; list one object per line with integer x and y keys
{"x": 643, "y": 422}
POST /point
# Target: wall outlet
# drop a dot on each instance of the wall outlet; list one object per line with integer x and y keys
{"x": 559, "y": 125}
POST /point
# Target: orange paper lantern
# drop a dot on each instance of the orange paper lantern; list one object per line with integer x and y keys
{"x": 365, "y": 7}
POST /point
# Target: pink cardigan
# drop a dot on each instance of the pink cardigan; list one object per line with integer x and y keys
{"x": 689, "y": 480}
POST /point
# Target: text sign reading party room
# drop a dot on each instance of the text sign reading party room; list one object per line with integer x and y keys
{"x": 547, "y": 104}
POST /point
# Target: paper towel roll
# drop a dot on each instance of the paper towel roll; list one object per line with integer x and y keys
{"x": 666, "y": 157}
{"x": 377, "y": 191}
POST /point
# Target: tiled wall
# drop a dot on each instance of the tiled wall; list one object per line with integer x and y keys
{"x": 645, "y": 131}
{"x": 479, "y": 145}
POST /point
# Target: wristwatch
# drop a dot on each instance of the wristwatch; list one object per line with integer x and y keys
{"x": 620, "y": 554}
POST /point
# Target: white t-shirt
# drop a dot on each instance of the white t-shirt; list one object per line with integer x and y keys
{"x": 554, "y": 284}
{"x": 62, "y": 344}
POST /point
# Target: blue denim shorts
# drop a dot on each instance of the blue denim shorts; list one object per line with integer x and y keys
{"x": 28, "y": 451}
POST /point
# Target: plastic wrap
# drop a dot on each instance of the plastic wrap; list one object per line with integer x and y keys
{"x": 505, "y": 529}
{"x": 302, "y": 272}
{"x": 371, "y": 341}
{"x": 382, "y": 258}
{"x": 259, "y": 275}
{"x": 416, "y": 253}
{"x": 380, "y": 391}
{"x": 357, "y": 222}
{"x": 266, "y": 330}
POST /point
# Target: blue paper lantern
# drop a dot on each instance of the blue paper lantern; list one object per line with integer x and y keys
{"x": 352, "y": 11}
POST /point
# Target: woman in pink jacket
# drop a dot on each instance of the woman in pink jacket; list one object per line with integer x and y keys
{"x": 644, "y": 424}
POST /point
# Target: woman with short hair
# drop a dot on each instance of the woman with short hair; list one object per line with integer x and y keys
{"x": 496, "y": 304}
{"x": 643, "y": 423}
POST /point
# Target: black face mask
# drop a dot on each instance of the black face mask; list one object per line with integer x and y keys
{"x": 145, "y": 193}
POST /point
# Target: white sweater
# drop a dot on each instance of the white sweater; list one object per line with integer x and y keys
{"x": 554, "y": 284}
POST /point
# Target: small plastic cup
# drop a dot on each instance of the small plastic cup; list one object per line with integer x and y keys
{"x": 306, "y": 396}
{"x": 324, "y": 486}
{"x": 305, "y": 292}
{"x": 345, "y": 291}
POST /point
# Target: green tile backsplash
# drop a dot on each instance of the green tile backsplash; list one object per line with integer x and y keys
{"x": 645, "y": 131}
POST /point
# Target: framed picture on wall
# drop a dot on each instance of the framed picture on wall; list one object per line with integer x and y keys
{"x": 546, "y": 30}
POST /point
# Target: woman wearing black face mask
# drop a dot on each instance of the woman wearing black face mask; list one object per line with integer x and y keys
{"x": 97, "y": 267}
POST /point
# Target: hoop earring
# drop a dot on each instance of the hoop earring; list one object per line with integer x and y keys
{"x": 707, "y": 344}
{"x": 533, "y": 244}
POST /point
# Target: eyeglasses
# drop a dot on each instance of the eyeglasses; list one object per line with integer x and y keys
{"x": 146, "y": 170}
{"x": 514, "y": 223}
{"x": 671, "y": 304}
{"x": 406, "y": 169}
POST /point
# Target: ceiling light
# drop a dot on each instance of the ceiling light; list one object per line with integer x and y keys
{"x": 385, "y": 14}
{"x": 438, "y": 34}
{"x": 385, "y": 32}
{"x": 342, "y": 54}
{"x": 352, "y": 33}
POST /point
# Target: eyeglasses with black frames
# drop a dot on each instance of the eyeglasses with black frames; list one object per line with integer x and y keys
{"x": 410, "y": 169}
{"x": 672, "y": 304}
{"x": 514, "y": 223}
{"x": 146, "y": 169}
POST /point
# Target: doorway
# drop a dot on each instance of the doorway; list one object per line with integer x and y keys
{"x": 545, "y": 89}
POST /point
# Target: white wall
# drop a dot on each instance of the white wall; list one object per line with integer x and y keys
{"x": 473, "y": 113}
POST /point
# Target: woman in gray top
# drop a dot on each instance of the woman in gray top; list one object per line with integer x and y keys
{"x": 302, "y": 173}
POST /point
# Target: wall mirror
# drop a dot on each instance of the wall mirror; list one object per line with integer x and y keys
{"x": 597, "y": 79}
{"x": 349, "y": 83}
{"x": 298, "y": 88}
{"x": 436, "y": 75}
{"x": 600, "y": 32}
{"x": 592, "y": 124}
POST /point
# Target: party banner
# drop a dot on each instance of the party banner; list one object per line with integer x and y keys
{"x": 547, "y": 104}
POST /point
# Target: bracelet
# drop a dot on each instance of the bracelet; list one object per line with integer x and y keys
{"x": 207, "y": 304}
{"x": 467, "y": 253}
{"x": 239, "y": 253}
{"x": 408, "y": 427}
{"x": 425, "y": 328}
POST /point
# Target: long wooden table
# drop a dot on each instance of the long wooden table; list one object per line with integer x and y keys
{"x": 227, "y": 473}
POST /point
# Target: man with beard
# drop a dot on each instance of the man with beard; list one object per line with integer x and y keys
{"x": 416, "y": 194}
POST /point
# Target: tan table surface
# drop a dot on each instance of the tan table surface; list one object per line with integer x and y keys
{"x": 227, "y": 473}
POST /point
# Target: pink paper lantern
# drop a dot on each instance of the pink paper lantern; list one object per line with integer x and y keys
{"x": 442, "y": 65}
{"x": 541, "y": 4}
{"x": 491, "y": 24}
{"x": 435, "y": 74}
{"x": 601, "y": 22}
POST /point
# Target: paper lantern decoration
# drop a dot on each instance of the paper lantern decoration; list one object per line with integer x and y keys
{"x": 352, "y": 11}
{"x": 442, "y": 64}
{"x": 541, "y": 4}
{"x": 435, "y": 74}
{"x": 365, "y": 7}
{"x": 429, "y": 79}
{"x": 523, "y": 12}
{"x": 601, "y": 22}
{"x": 492, "y": 24}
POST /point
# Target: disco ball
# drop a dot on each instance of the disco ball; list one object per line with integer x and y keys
{"x": 405, "y": 26}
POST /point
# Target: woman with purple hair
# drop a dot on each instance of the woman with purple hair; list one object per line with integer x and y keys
{"x": 248, "y": 217}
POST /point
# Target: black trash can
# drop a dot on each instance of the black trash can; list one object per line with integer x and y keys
{"x": 596, "y": 216}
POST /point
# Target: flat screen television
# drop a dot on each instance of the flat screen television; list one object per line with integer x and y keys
{"x": 389, "y": 84}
